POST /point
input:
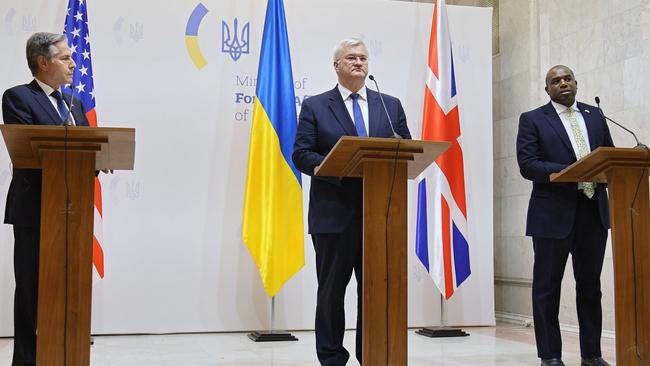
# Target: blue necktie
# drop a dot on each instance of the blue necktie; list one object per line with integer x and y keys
{"x": 358, "y": 117}
{"x": 60, "y": 104}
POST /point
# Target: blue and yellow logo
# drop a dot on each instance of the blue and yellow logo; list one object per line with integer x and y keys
{"x": 192, "y": 33}
{"x": 234, "y": 41}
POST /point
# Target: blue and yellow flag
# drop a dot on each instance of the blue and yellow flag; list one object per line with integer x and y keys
{"x": 273, "y": 221}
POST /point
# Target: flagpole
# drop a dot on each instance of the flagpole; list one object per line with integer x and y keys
{"x": 443, "y": 322}
{"x": 442, "y": 330}
{"x": 272, "y": 335}
{"x": 272, "y": 314}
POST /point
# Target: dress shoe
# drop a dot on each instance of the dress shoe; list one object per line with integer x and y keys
{"x": 552, "y": 362}
{"x": 596, "y": 361}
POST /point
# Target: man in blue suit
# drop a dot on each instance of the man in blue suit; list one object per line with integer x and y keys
{"x": 336, "y": 205}
{"x": 564, "y": 218}
{"x": 40, "y": 102}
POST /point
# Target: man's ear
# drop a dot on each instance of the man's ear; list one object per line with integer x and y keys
{"x": 546, "y": 89}
{"x": 41, "y": 61}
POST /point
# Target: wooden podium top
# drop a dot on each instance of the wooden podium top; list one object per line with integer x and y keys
{"x": 348, "y": 155}
{"x": 593, "y": 167}
{"x": 115, "y": 147}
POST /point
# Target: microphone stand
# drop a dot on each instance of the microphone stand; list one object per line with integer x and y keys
{"x": 390, "y": 122}
{"x": 639, "y": 145}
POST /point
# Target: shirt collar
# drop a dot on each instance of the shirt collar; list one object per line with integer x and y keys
{"x": 560, "y": 108}
{"x": 46, "y": 88}
{"x": 345, "y": 92}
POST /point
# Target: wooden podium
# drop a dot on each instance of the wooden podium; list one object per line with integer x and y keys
{"x": 385, "y": 165}
{"x": 69, "y": 158}
{"x": 625, "y": 170}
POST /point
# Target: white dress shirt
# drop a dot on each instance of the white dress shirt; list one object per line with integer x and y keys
{"x": 563, "y": 112}
{"x": 363, "y": 104}
{"x": 48, "y": 90}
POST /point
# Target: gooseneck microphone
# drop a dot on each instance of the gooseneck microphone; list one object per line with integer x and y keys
{"x": 67, "y": 121}
{"x": 390, "y": 122}
{"x": 638, "y": 144}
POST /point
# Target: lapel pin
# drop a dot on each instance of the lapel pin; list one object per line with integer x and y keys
{"x": 587, "y": 111}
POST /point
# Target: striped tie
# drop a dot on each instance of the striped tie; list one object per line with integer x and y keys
{"x": 588, "y": 188}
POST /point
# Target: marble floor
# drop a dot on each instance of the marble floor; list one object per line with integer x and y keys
{"x": 503, "y": 345}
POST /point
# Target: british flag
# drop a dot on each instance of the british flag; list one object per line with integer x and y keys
{"x": 76, "y": 29}
{"x": 441, "y": 235}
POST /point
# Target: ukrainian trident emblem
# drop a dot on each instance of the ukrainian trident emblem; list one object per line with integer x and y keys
{"x": 235, "y": 43}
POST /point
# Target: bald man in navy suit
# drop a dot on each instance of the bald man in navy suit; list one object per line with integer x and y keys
{"x": 564, "y": 218}
{"x": 41, "y": 102}
{"x": 336, "y": 205}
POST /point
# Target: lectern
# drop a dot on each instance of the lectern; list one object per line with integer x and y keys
{"x": 625, "y": 170}
{"x": 69, "y": 157}
{"x": 385, "y": 165}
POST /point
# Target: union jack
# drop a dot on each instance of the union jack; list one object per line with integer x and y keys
{"x": 441, "y": 234}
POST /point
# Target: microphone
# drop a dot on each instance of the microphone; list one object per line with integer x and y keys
{"x": 390, "y": 122}
{"x": 638, "y": 144}
{"x": 67, "y": 121}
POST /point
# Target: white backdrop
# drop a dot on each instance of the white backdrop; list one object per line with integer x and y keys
{"x": 175, "y": 261}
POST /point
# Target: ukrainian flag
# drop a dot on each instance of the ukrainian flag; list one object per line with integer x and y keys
{"x": 273, "y": 221}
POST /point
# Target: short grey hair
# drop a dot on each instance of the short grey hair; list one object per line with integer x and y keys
{"x": 347, "y": 43}
{"x": 42, "y": 44}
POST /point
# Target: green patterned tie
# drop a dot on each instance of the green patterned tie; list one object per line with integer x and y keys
{"x": 588, "y": 188}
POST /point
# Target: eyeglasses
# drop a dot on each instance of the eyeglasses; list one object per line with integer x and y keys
{"x": 352, "y": 59}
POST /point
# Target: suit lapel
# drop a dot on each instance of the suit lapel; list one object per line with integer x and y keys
{"x": 79, "y": 116}
{"x": 340, "y": 112}
{"x": 374, "y": 113}
{"x": 590, "y": 123}
{"x": 558, "y": 127}
{"x": 44, "y": 102}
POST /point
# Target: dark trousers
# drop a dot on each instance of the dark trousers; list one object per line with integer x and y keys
{"x": 26, "y": 247}
{"x": 337, "y": 255}
{"x": 586, "y": 243}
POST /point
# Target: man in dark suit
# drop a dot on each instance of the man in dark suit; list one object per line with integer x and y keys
{"x": 564, "y": 218}
{"x": 40, "y": 102}
{"x": 335, "y": 205}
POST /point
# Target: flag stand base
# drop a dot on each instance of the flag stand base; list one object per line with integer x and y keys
{"x": 272, "y": 336}
{"x": 442, "y": 332}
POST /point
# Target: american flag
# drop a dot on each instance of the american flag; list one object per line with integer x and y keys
{"x": 441, "y": 235}
{"x": 76, "y": 29}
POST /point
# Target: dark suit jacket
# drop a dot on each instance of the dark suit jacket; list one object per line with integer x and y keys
{"x": 543, "y": 147}
{"x": 334, "y": 203}
{"x": 28, "y": 104}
